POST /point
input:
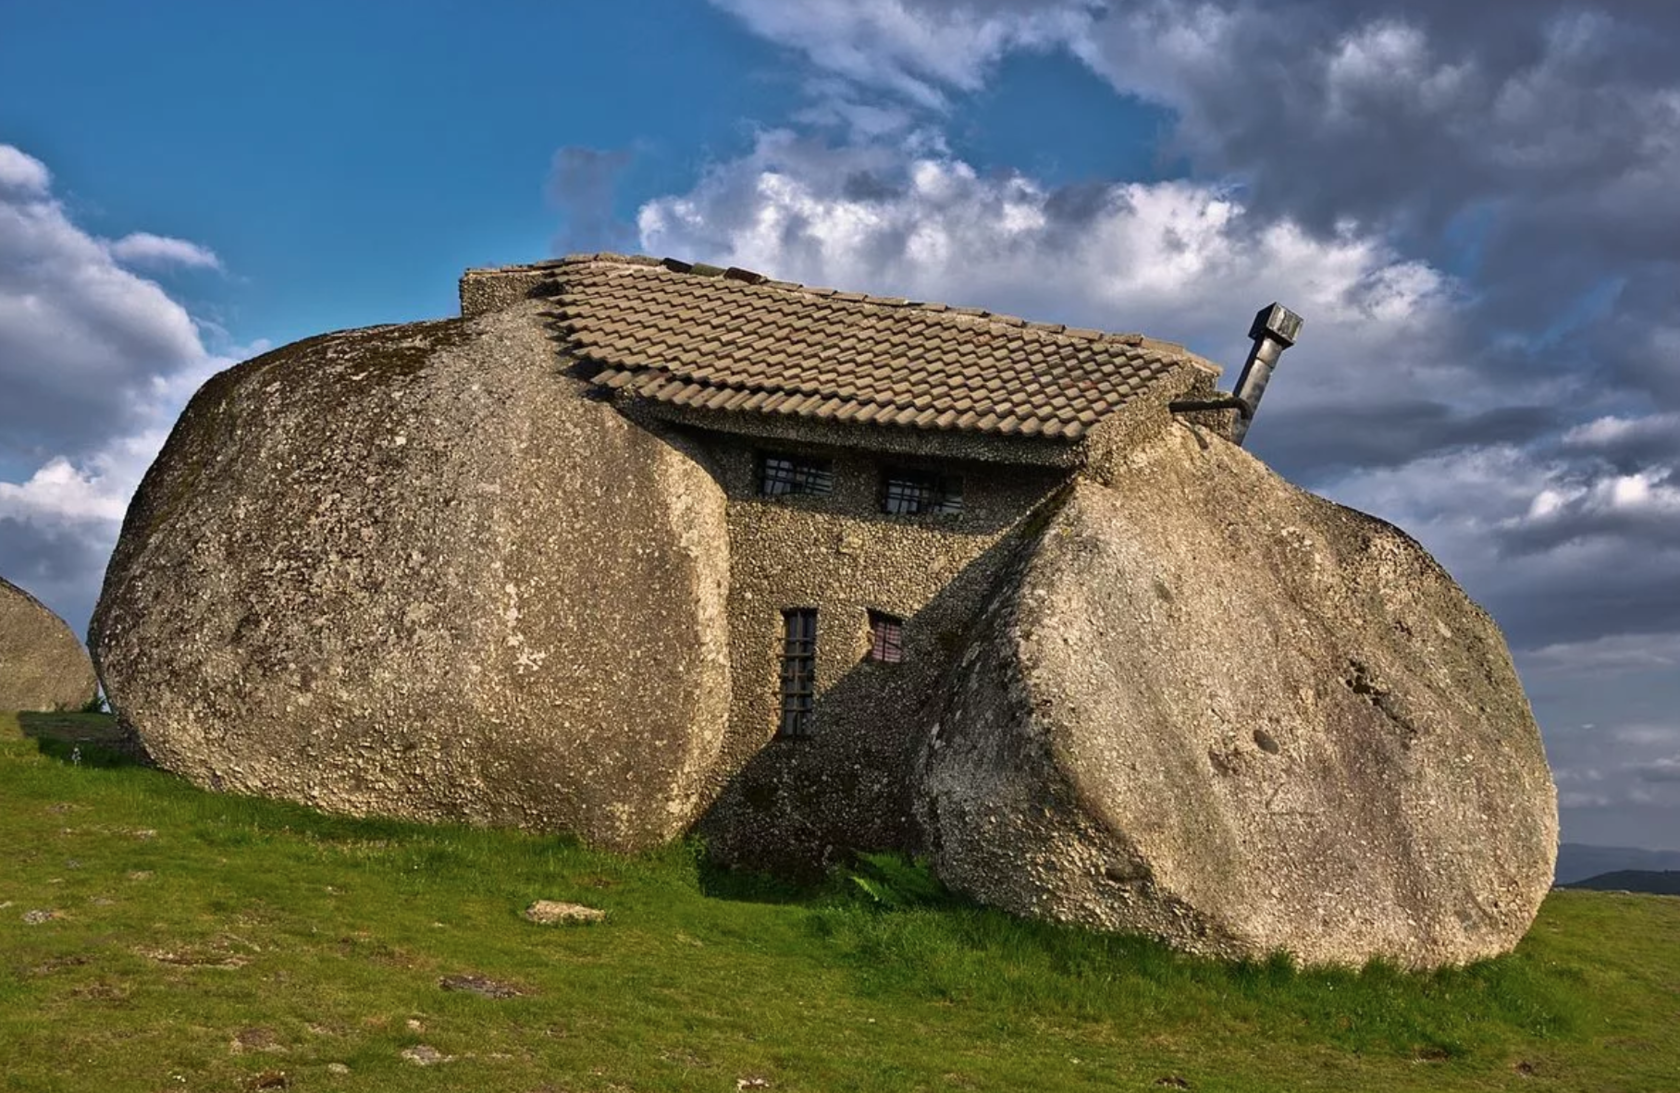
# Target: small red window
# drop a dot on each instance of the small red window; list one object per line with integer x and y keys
{"x": 886, "y": 638}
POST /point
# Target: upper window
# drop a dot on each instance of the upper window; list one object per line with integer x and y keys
{"x": 886, "y": 638}
{"x": 907, "y": 492}
{"x": 784, "y": 475}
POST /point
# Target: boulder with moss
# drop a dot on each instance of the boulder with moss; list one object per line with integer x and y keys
{"x": 1215, "y": 708}
{"x": 43, "y": 668}
{"x": 413, "y": 570}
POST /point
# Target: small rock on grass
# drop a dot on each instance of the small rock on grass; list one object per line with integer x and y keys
{"x": 337, "y": 1068}
{"x": 35, "y": 918}
{"x": 426, "y": 1055}
{"x": 255, "y": 1039}
{"x": 479, "y": 984}
{"x": 548, "y": 912}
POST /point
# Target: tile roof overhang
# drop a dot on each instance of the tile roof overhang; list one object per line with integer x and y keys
{"x": 733, "y": 341}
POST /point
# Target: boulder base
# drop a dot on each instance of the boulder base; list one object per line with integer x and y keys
{"x": 43, "y": 667}
{"x": 413, "y": 571}
{"x": 1217, "y": 709}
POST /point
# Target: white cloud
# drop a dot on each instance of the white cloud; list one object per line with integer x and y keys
{"x": 1666, "y": 735}
{"x": 59, "y": 492}
{"x": 21, "y": 172}
{"x": 1573, "y": 798}
{"x": 1386, "y": 61}
{"x": 1609, "y": 654}
{"x": 146, "y": 249}
{"x": 78, "y": 332}
{"x": 96, "y": 362}
{"x": 915, "y": 51}
{"x": 1183, "y": 259}
{"x": 1648, "y": 442}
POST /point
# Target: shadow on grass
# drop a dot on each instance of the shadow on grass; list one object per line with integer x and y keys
{"x": 718, "y": 881}
{"x": 92, "y": 739}
{"x": 886, "y": 881}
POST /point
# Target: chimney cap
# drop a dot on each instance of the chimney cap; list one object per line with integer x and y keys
{"x": 1278, "y": 323}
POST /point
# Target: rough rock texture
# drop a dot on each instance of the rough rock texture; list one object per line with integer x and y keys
{"x": 1215, "y": 708}
{"x": 413, "y": 570}
{"x": 42, "y": 665}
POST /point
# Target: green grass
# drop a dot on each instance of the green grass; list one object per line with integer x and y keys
{"x": 204, "y": 942}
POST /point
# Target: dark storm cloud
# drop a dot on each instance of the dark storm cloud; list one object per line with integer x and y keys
{"x": 1660, "y": 771}
{"x": 59, "y": 565}
{"x": 1611, "y": 595}
{"x": 1628, "y": 445}
{"x": 1552, "y": 128}
{"x": 1530, "y": 142}
{"x": 1386, "y": 433}
{"x": 1511, "y": 395}
{"x": 1652, "y": 530}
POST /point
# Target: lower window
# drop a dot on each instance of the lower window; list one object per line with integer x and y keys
{"x": 799, "y": 670}
{"x": 886, "y": 638}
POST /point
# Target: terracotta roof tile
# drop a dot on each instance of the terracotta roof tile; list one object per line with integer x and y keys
{"x": 733, "y": 340}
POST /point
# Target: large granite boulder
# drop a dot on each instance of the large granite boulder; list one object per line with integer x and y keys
{"x": 42, "y": 666}
{"x": 1212, "y": 707}
{"x": 413, "y": 570}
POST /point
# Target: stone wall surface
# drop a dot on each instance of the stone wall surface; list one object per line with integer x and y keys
{"x": 42, "y": 666}
{"x": 796, "y": 805}
{"x": 412, "y": 570}
{"x": 1212, "y": 707}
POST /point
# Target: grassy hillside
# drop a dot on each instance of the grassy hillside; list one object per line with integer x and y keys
{"x": 1658, "y": 883}
{"x": 153, "y": 937}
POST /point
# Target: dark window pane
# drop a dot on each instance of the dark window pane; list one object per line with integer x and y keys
{"x": 909, "y": 492}
{"x": 785, "y": 475}
{"x": 799, "y": 669}
{"x": 776, "y": 476}
{"x": 886, "y": 638}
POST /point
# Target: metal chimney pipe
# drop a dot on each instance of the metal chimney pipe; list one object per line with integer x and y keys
{"x": 1275, "y": 329}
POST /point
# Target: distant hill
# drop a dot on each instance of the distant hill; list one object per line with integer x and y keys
{"x": 1578, "y": 862}
{"x": 1659, "y": 883}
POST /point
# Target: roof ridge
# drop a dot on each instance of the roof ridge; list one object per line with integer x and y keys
{"x": 754, "y": 278}
{"x": 731, "y": 339}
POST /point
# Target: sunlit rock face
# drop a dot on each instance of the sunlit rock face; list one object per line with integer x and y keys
{"x": 412, "y": 570}
{"x": 1209, "y": 706}
{"x": 42, "y": 666}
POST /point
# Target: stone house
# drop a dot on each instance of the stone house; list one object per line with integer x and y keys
{"x": 634, "y": 548}
{"x": 880, "y": 457}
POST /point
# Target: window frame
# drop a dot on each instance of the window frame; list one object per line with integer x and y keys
{"x": 797, "y": 682}
{"x": 803, "y": 476}
{"x": 943, "y": 492}
{"x": 886, "y": 639}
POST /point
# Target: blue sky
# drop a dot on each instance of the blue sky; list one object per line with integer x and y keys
{"x": 1472, "y": 205}
{"x": 347, "y": 161}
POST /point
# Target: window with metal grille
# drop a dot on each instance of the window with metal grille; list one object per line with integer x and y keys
{"x": 909, "y": 492}
{"x": 799, "y": 669}
{"x": 886, "y": 638}
{"x": 787, "y": 475}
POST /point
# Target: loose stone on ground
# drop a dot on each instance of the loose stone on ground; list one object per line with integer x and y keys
{"x": 481, "y": 985}
{"x": 426, "y": 1055}
{"x": 549, "y": 912}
